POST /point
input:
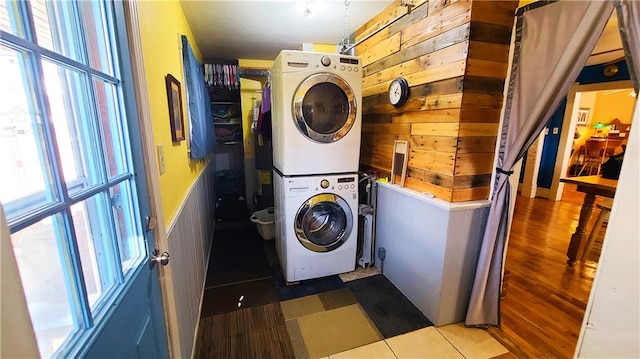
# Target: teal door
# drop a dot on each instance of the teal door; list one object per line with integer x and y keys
{"x": 73, "y": 187}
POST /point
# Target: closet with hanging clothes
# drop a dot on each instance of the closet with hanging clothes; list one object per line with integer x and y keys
{"x": 222, "y": 77}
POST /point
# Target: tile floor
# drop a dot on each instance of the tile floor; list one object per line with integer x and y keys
{"x": 249, "y": 312}
{"x": 450, "y": 341}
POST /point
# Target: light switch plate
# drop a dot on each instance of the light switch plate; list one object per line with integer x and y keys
{"x": 161, "y": 164}
{"x": 555, "y": 130}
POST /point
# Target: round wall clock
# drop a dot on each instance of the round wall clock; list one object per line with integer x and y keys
{"x": 398, "y": 91}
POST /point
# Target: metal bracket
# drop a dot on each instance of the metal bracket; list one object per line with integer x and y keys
{"x": 152, "y": 223}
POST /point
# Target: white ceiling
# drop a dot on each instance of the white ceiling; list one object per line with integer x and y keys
{"x": 609, "y": 46}
{"x": 260, "y": 29}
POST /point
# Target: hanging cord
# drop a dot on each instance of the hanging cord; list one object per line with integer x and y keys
{"x": 345, "y": 32}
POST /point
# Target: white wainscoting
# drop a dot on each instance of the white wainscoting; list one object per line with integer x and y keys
{"x": 431, "y": 247}
{"x": 190, "y": 235}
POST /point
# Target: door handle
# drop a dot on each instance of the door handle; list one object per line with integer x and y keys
{"x": 157, "y": 258}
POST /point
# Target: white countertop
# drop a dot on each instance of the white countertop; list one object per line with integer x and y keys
{"x": 427, "y": 198}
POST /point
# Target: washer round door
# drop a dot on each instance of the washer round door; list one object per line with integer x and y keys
{"x": 324, "y": 222}
{"x": 324, "y": 107}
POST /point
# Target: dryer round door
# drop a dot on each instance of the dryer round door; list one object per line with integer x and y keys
{"x": 324, "y": 222}
{"x": 324, "y": 107}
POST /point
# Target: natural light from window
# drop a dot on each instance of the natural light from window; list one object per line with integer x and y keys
{"x": 67, "y": 186}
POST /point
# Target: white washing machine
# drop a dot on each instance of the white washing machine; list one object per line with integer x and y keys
{"x": 316, "y": 113}
{"x": 316, "y": 224}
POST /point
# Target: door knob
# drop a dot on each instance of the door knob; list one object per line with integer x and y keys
{"x": 157, "y": 258}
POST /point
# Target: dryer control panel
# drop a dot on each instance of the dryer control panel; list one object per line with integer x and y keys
{"x": 294, "y": 61}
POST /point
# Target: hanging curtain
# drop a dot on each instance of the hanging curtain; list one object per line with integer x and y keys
{"x": 629, "y": 23}
{"x": 552, "y": 44}
{"x": 201, "y": 132}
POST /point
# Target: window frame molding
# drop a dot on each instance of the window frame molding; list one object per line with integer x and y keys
{"x": 92, "y": 320}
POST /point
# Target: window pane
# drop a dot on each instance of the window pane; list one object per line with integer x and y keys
{"x": 39, "y": 249}
{"x": 111, "y": 125}
{"x": 57, "y": 28}
{"x": 10, "y": 20}
{"x": 26, "y": 181}
{"x": 69, "y": 99}
{"x": 93, "y": 235}
{"x": 130, "y": 240}
{"x": 97, "y": 41}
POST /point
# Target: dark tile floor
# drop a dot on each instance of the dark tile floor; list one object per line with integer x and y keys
{"x": 242, "y": 314}
{"x": 387, "y": 307}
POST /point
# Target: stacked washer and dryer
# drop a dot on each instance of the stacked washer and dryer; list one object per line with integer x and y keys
{"x": 316, "y": 123}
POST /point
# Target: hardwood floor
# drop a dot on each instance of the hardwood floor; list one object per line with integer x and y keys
{"x": 544, "y": 299}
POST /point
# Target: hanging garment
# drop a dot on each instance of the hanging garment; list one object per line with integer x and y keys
{"x": 266, "y": 99}
{"x": 264, "y": 120}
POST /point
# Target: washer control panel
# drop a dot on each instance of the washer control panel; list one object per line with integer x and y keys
{"x": 344, "y": 185}
{"x": 347, "y": 184}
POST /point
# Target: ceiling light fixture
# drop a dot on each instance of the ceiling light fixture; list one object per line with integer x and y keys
{"x": 307, "y": 8}
{"x": 611, "y": 70}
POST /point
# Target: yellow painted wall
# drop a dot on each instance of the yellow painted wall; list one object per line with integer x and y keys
{"x": 248, "y": 88}
{"x": 610, "y": 105}
{"x": 587, "y": 101}
{"x": 161, "y": 24}
{"x": 603, "y": 107}
{"x": 525, "y": 2}
{"x": 326, "y": 48}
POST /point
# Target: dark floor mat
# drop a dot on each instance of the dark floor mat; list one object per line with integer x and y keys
{"x": 237, "y": 255}
{"x": 257, "y": 332}
{"x": 305, "y": 287}
{"x": 387, "y": 307}
{"x": 237, "y": 296}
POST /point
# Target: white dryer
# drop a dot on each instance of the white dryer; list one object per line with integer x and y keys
{"x": 316, "y": 113}
{"x": 316, "y": 224}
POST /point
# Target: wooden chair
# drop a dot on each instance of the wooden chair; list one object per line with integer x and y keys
{"x": 612, "y": 146}
{"x": 603, "y": 217}
{"x": 594, "y": 151}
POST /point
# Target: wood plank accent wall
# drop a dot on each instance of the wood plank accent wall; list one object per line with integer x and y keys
{"x": 454, "y": 54}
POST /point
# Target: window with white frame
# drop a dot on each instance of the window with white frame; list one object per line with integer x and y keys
{"x": 67, "y": 180}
